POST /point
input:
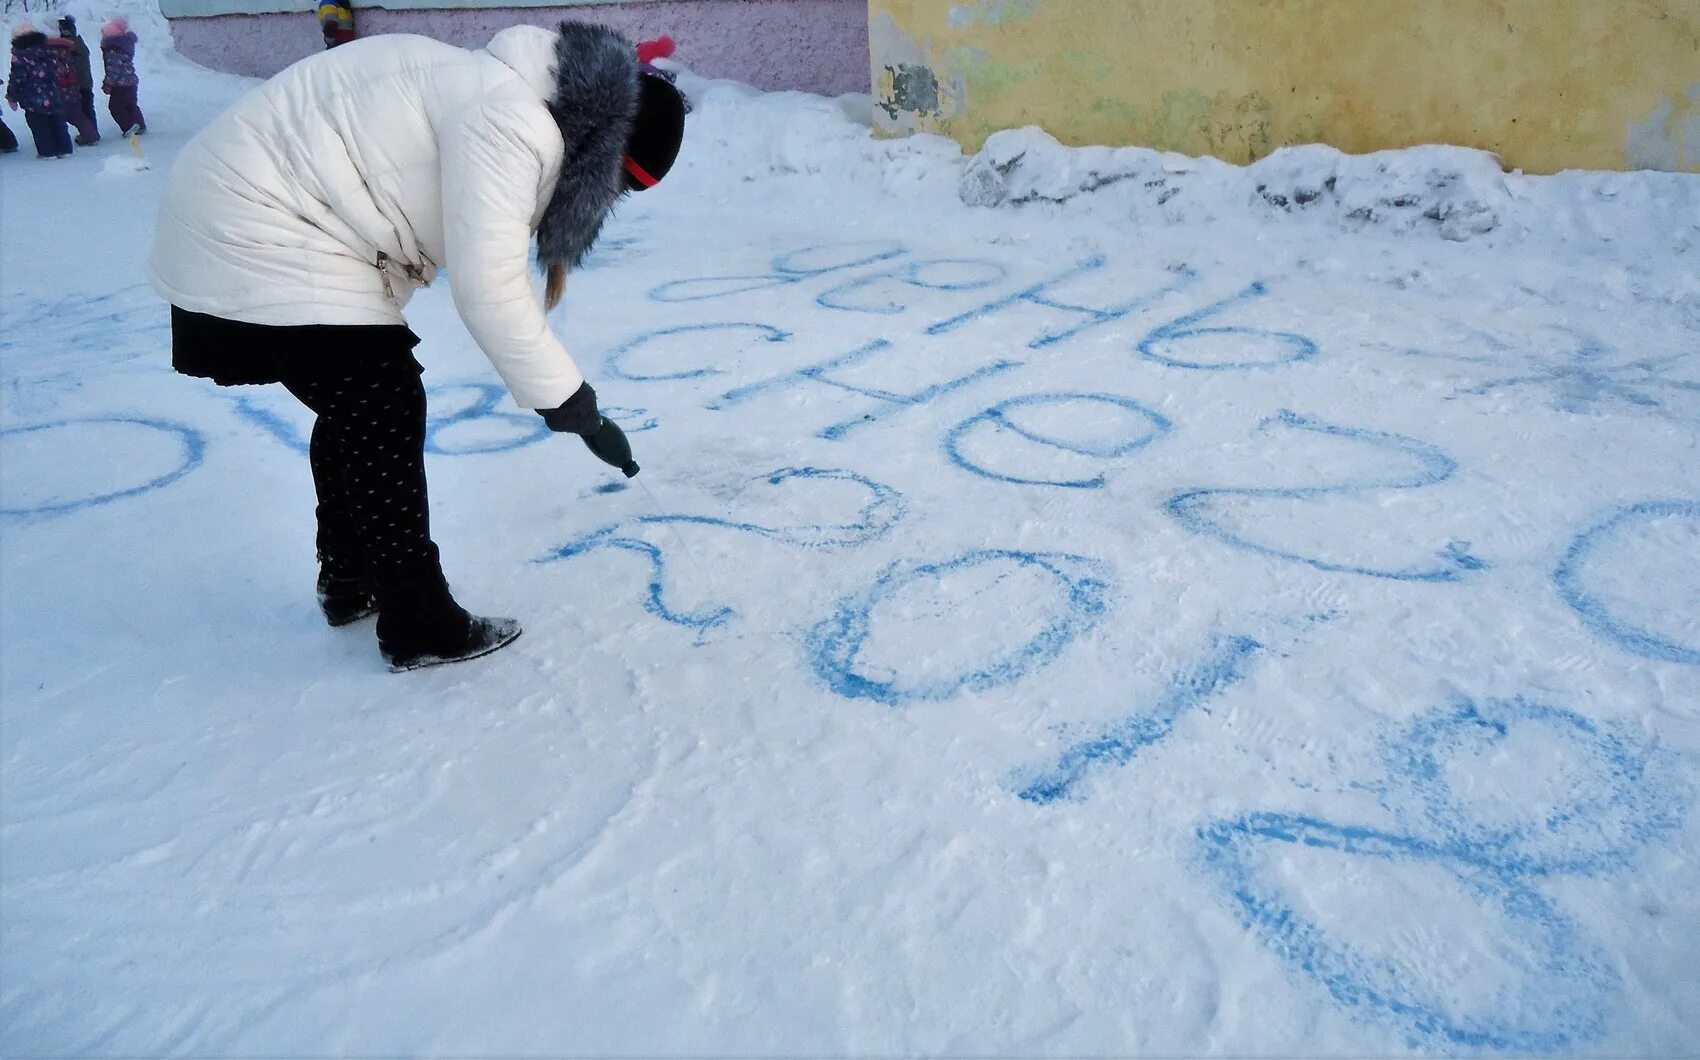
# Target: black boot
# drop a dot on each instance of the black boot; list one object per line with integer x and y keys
{"x": 419, "y": 624}
{"x": 345, "y": 600}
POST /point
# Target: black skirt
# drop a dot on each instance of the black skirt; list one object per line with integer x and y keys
{"x": 236, "y": 353}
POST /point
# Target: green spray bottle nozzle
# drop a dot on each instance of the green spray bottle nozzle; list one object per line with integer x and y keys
{"x": 609, "y": 444}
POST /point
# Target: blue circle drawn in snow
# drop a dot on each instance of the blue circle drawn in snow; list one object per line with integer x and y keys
{"x": 1183, "y": 329}
{"x": 835, "y": 643}
{"x": 485, "y": 407}
{"x": 1594, "y": 612}
{"x": 194, "y": 451}
{"x": 614, "y": 360}
{"x": 998, "y": 417}
{"x": 1303, "y": 349}
{"x": 876, "y": 250}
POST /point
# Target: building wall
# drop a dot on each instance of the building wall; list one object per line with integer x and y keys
{"x": 1547, "y": 84}
{"x": 812, "y": 45}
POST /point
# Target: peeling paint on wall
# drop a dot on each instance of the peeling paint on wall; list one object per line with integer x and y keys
{"x": 1669, "y": 137}
{"x": 909, "y": 95}
{"x": 914, "y": 89}
{"x": 1650, "y": 144}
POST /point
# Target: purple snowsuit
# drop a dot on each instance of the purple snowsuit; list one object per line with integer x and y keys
{"x": 118, "y": 51}
{"x": 34, "y": 86}
{"x": 70, "y": 98}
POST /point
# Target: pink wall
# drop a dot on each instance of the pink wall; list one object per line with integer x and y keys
{"x": 813, "y": 45}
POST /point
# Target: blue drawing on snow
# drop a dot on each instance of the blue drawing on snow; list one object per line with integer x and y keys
{"x": 1563, "y": 962}
{"x": 1228, "y": 663}
{"x": 997, "y": 419}
{"x": 193, "y": 444}
{"x": 617, "y": 356}
{"x": 530, "y": 427}
{"x": 835, "y": 644}
{"x": 1587, "y": 381}
{"x": 893, "y": 402}
{"x": 1184, "y": 328}
{"x": 911, "y": 274}
{"x": 632, "y": 420}
{"x": 1593, "y": 824}
{"x": 277, "y": 426}
{"x": 1596, "y": 826}
{"x": 786, "y": 270}
{"x": 1191, "y": 508}
{"x": 94, "y": 323}
{"x": 1096, "y": 316}
{"x": 486, "y": 406}
{"x": 877, "y": 515}
{"x": 1588, "y": 378}
{"x": 1594, "y": 612}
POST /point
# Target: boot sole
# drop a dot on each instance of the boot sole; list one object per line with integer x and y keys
{"x": 335, "y": 623}
{"x": 438, "y": 660}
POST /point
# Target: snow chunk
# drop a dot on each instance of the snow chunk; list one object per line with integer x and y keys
{"x": 1029, "y": 165}
{"x": 1459, "y": 190}
{"x": 124, "y": 165}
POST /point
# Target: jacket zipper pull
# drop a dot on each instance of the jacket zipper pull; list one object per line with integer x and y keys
{"x": 383, "y": 270}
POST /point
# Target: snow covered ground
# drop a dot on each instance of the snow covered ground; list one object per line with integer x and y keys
{"x": 1075, "y": 602}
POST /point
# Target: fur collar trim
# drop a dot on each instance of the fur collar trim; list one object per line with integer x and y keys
{"x": 595, "y": 105}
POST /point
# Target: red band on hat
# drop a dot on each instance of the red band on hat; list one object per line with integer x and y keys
{"x": 640, "y": 174}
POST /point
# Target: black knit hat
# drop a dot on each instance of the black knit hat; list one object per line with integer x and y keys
{"x": 657, "y": 133}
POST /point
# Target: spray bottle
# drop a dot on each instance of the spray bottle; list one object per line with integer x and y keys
{"x": 609, "y": 444}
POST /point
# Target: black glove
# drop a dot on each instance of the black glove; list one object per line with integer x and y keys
{"x": 576, "y": 415}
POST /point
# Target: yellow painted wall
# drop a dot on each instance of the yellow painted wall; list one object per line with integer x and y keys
{"x": 1546, "y": 84}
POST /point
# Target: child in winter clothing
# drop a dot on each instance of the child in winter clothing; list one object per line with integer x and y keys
{"x": 85, "y": 75}
{"x": 34, "y": 87}
{"x": 120, "y": 83}
{"x": 336, "y": 19}
{"x": 70, "y": 100}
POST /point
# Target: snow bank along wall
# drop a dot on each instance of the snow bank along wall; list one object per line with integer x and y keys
{"x": 1546, "y": 84}
{"x": 813, "y": 45}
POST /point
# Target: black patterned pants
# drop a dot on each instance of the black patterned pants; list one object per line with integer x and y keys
{"x": 368, "y": 459}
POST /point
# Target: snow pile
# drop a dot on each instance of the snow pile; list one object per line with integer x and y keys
{"x": 1459, "y": 192}
{"x": 738, "y": 134}
{"x": 1454, "y": 193}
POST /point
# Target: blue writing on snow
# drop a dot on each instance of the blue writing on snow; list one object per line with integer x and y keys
{"x": 1144, "y": 427}
{"x": 892, "y": 402}
{"x": 192, "y": 447}
{"x": 1598, "y": 541}
{"x": 1192, "y": 508}
{"x": 1228, "y": 663}
{"x": 836, "y": 644}
{"x": 882, "y": 510}
{"x": 1298, "y": 347}
{"x": 1612, "y": 800}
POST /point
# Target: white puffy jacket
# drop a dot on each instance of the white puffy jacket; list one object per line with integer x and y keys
{"x": 326, "y": 195}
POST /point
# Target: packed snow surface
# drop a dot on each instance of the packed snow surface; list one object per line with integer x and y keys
{"x": 1076, "y": 602}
